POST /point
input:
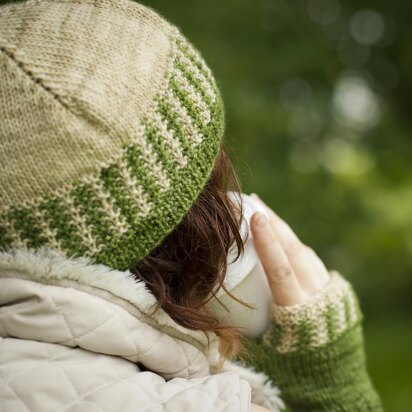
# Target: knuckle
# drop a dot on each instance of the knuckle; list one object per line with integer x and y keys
{"x": 281, "y": 273}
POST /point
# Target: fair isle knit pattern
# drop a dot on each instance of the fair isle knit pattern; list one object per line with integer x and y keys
{"x": 111, "y": 124}
{"x": 318, "y": 321}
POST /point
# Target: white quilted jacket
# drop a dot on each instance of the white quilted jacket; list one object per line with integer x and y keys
{"x": 75, "y": 336}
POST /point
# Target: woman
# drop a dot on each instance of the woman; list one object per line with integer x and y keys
{"x": 116, "y": 224}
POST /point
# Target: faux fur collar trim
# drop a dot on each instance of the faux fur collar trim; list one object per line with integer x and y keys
{"x": 49, "y": 266}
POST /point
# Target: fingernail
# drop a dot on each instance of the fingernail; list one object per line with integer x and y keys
{"x": 260, "y": 219}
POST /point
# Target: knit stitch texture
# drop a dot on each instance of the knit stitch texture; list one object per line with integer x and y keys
{"x": 111, "y": 124}
{"x": 314, "y": 351}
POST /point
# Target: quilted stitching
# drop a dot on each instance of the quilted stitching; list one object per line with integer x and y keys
{"x": 88, "y": 380}
{"x": 66, "y": 383}
{"x": 72, "y": 340}
{"x": 15, "y": 395}
{"x": 82, "y": 398}
{"x": 93, "y": 332}
{"x": 35, "y": 365}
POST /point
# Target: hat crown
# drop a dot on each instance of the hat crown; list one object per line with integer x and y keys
{"x": 111, "y": 122}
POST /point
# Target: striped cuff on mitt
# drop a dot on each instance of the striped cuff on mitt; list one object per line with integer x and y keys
{"x": 316, "y": 322}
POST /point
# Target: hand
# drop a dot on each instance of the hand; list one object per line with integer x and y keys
{"x": 294, "y": 271}
{"x": 257, "y": 408}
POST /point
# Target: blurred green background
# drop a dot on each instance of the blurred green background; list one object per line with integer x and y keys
{"x": 318, "y": 97}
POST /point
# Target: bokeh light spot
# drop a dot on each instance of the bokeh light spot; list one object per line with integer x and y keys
{"x": 355, "y": 104}
{"x": 367, "y": 27}
{"x": 342, "y": 157}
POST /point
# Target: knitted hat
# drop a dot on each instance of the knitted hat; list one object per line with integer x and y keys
{"x": 110, "y": 127}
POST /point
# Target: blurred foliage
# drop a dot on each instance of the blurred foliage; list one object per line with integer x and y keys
{"x": 318, "y": 99}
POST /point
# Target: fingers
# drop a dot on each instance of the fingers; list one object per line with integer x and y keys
{"x": 310, "y": 270}
{"x": 318, "y": 266}
{"x": 281, "y": 276}
{"x": 300, "y": 257}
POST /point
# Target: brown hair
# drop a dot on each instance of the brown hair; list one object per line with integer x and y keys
{"x": 188, "y": 268}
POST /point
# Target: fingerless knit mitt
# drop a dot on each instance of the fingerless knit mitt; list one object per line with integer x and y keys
{"x": 314, "y": 353}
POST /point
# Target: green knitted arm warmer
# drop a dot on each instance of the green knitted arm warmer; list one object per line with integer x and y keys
{"x": 314, "y": 353}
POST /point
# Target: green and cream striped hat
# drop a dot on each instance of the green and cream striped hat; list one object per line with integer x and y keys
{"x": 110, "y": 125}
